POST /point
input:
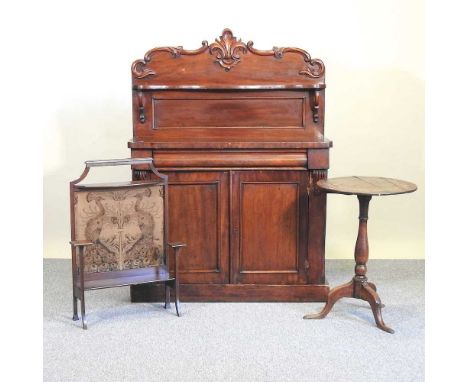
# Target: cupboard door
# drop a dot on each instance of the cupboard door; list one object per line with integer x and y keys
{"x": 198, "y": 216}
{"x": 269, "y": 227}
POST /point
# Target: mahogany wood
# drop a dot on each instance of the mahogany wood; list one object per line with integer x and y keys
{"x": 230, "y": 159}
{"x": 359, "y": 287}
{"x": 366, "y": 185}
{"x": 236, "y": 109}
{"x": 240, "y": 133}
{"x": 269, "y": 227}
{"x": 220, "y": 143}
{"x": 236, "y": 292}
{"x": 199, "y": 203}
{"x": 227, "y": 63}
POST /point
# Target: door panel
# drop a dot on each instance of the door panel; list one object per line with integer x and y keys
{"x": 269, "y": 227}
{"x": 276, "y": 205}
{"x": 198, "y": 216}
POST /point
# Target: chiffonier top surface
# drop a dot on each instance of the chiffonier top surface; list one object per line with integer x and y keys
{"x": 226, "y": 143}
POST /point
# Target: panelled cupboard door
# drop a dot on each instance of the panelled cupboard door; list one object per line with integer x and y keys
{"x": 198, "y": 215}
{"x": 269, "y": 227}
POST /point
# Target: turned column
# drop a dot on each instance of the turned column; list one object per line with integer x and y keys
{"x": 361, "y": 250}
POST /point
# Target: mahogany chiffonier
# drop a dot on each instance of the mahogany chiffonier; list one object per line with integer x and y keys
{"x": 240, "y": 133}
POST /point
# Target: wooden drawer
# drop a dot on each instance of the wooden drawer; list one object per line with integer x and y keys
{"x": 251, "y": 159}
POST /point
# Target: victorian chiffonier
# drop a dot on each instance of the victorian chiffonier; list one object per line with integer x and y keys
{"x": 240, "y": 133}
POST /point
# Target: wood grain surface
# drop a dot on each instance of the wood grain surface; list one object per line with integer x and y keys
{"x": 366, "y": 185}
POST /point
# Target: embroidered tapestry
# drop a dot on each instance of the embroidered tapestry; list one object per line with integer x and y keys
{"x": 126, "y": 225}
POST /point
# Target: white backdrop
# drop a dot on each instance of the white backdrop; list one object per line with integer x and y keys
{"x": 373, "y": 52}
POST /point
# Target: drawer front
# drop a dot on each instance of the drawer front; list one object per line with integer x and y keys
{"x": 169, "y": 159}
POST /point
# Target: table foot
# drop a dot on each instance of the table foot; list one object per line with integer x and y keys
{"x": 358, "y": 289}
{"x": 367, "y": 293}
{"x": 345, "y": 290}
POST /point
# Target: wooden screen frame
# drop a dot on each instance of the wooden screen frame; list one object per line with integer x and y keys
{"x": 140, "y": 162}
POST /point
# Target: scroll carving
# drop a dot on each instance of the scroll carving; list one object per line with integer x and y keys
{"x": 139, "y": 69}
{"x": 314, "y": 68}
{"x": 228, "y": 51}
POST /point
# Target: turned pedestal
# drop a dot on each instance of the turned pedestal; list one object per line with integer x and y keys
{"x": 359, "y": 287}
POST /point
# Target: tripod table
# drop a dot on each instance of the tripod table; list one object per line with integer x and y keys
{"x": 359, "y": 287}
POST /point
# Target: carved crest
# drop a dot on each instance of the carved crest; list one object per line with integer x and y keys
{"x": 227, "y": 49}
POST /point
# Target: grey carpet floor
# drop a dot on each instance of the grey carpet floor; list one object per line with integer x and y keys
{"x": 237, "y": 341}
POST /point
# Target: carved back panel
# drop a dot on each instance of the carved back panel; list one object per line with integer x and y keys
{"x": 228, "y": 62}
{"x": 228, "y": 91}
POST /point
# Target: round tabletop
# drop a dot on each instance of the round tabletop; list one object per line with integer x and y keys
{"x": 366, "y": 185}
